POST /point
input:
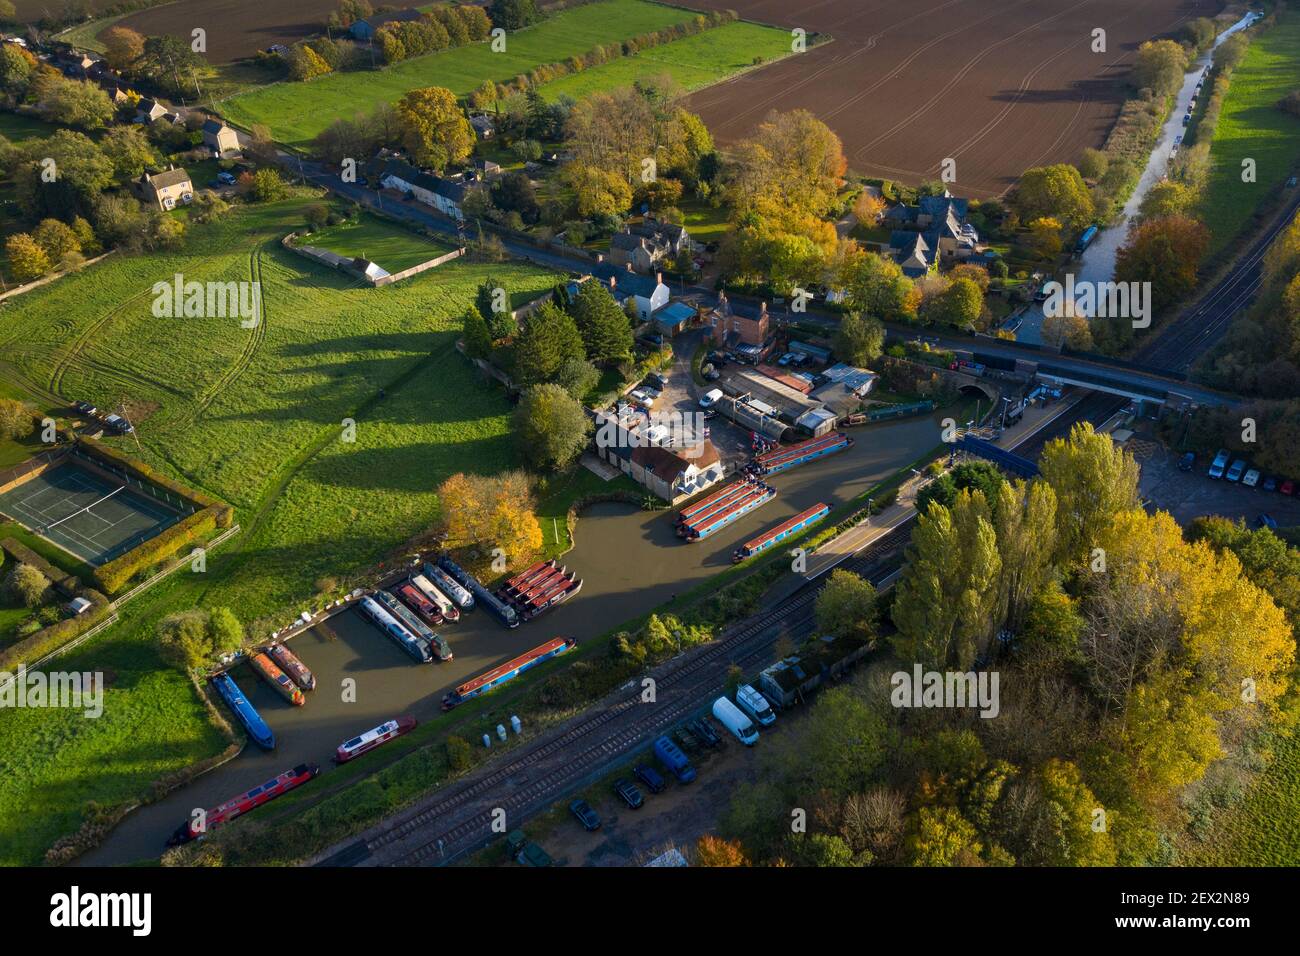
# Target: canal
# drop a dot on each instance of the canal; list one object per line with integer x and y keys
{"x": 630, "y": 562}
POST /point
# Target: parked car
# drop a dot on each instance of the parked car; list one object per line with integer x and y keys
{"x": 1288, "y": 487}
{"x": 702, "y": 729}
{"x": 710, "y": 398}
{"x": 629, "y": 794}
{"x": 586, "y": 816}
{"x": 1187, "y": 462}
{"x": 1266, "y": 521}
{"x": 1251, "y": 478}
{"x": 712, "y": 375}
{"x": 650, "y": 777}
{"x": 1269, "y": 483}
{"x": 1220, "y": 462}
{"x": 671, "y": 756}
{"x": 525, "y": 852}
{"x": 754, "y": 704}
{"x": 85, "y": 408}
{"x": 656, "y": 381}
{"x": 1235, "y": 472}
{"x": 226, "y": 179}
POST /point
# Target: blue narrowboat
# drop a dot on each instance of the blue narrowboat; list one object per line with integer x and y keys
{"x": 257, "y": 729}
{"x": 782, "y": 531}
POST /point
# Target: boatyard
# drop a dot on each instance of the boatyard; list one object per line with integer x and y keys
{"x": 621, "y": 557}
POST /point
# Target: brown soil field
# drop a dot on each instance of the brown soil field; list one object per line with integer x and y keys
{"x": 997, "y": 86}
{"x": 236, "y": 28}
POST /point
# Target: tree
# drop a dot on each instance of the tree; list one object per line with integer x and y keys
{"x": 960, "y": 305}
{"x": 477, "y": 338}
{"x": 717, "y": 852}
{"x": 598, "y": 192}
{"x": 1045, "y": 237}
{"x": 942, "y": 837}
{"x": 170, "y": 63}
{"x": 349, "y": 12}
{"x": 1160, "y": 66}
{"x": 548, "y": 339}
{"x": 605, "y": 330}
{"x": 577, "y": 377}
{"x": 1024, "y": 522}
{"x": 500, "y": 323}
{"x": 26, "y": 585}
{"x": 129, "y": 150}
{"x": 1093, "y": 163}
{"x": 1056, "y": 192}
{"x": 183, "y": 638}
{"x": 514, "y": 14}
{"x": 983, "y": 476}
{"x": 551, "y": 427}
{"x": 868, "y": 207}
{"x": 17, "y": 419}
{"x": 433, "y": 127}
{"x": 482, "y": 513}
{"x": 74, "y": 103}
{"x": 27, "y": 260}
{"x": 305, "y": 63}
{"x": 56, "y": 239}
{"x": 16, "y": 68}
{"x": 1168, "y": 197}
{"x": 82, "y": 173}
{"x": 846, "y": 606}
{"x": 122, "y": 47}
{"x": 945, "y": 601}
{"x": 859, "y": 339}
{"x": 266, "y": 185}
{"x": 225, "y": 632}
{"x": 875, "y": 285}
{"x": 1165, "y": 252}
{"x": 1094, "y": 479}
{"x": 514, "y": 191}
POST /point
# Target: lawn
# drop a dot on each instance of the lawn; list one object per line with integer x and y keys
{"x": 694, "y": 62}
{"x": 391, "y": 246}
{"x": 705, "y": 223}
{"x": 296, "y": 112}
{"x": 1251, "y": 126}
{"x": 19, "y": 129}
{"x": 255, "y": 417}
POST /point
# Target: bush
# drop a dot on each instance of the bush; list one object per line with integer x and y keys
{"x": 111, "y": 577}
{"x": 460, "y": 756}
{"x": 27, "y": 586}
{"x": 17, "y": 420}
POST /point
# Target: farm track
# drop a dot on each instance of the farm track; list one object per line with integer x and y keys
{"x": 247, "y": 353}
{"x": 74, "y": 350}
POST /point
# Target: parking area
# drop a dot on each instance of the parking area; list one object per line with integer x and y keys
{"x": 1189, "y": 494}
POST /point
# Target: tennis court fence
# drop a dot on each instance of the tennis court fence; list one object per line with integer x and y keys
{"x": 19, "y": 473}
{"x": 134, "y": 483}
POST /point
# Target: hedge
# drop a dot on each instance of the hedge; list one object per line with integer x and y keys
{"x": 224, "y": 513}
{"x": 56, "y": 635}
{"x": 110, "y": 577}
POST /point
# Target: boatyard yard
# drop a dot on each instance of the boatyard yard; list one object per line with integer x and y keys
{"x": 630, "y": 561}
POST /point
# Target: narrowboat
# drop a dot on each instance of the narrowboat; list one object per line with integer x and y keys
{"x": 374, "y": 737}
{"x": 265, "y": 668}
{"x": 195, "y": 829}
{"x": 494, "y": 678}
{"x": 289, "y": 663}
{"x": 247, "y": 715}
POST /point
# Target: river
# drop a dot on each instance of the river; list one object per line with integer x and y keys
{"x": 1098, "y": 261}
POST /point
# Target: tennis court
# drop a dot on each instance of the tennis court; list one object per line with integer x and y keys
{"x": 85, "y": 513}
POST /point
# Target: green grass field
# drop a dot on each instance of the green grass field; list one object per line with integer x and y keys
{"x": 694, "y": 62}
{"x": 1251, "y": 126}
{"x": 1264, "y": 828}
{"x": 296, "y": 112}
{"x": 255, "y": 417}
{"x": 391, "y": 246}
{"x": 19, "y": 129}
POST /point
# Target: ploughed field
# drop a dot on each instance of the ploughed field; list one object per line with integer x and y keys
{"x": 998, "y": 87}
{"x": 235, "y": 28}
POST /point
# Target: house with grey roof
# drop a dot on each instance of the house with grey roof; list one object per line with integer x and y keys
{"x": 445, "y": 195}
{"x": 367, "y": 28}
{"x": 648, "y": 293}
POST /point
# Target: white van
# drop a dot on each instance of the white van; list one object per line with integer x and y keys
{"x": 734, "y": 720}
{"x": 711, "y": 398}
{"x": 754, "y": 704}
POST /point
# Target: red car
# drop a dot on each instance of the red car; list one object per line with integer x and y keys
{"x": 1287, "y": 487}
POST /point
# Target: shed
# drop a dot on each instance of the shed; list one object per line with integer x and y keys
{"x": 818, "y": 421}
{"x": 673, "y": 317}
